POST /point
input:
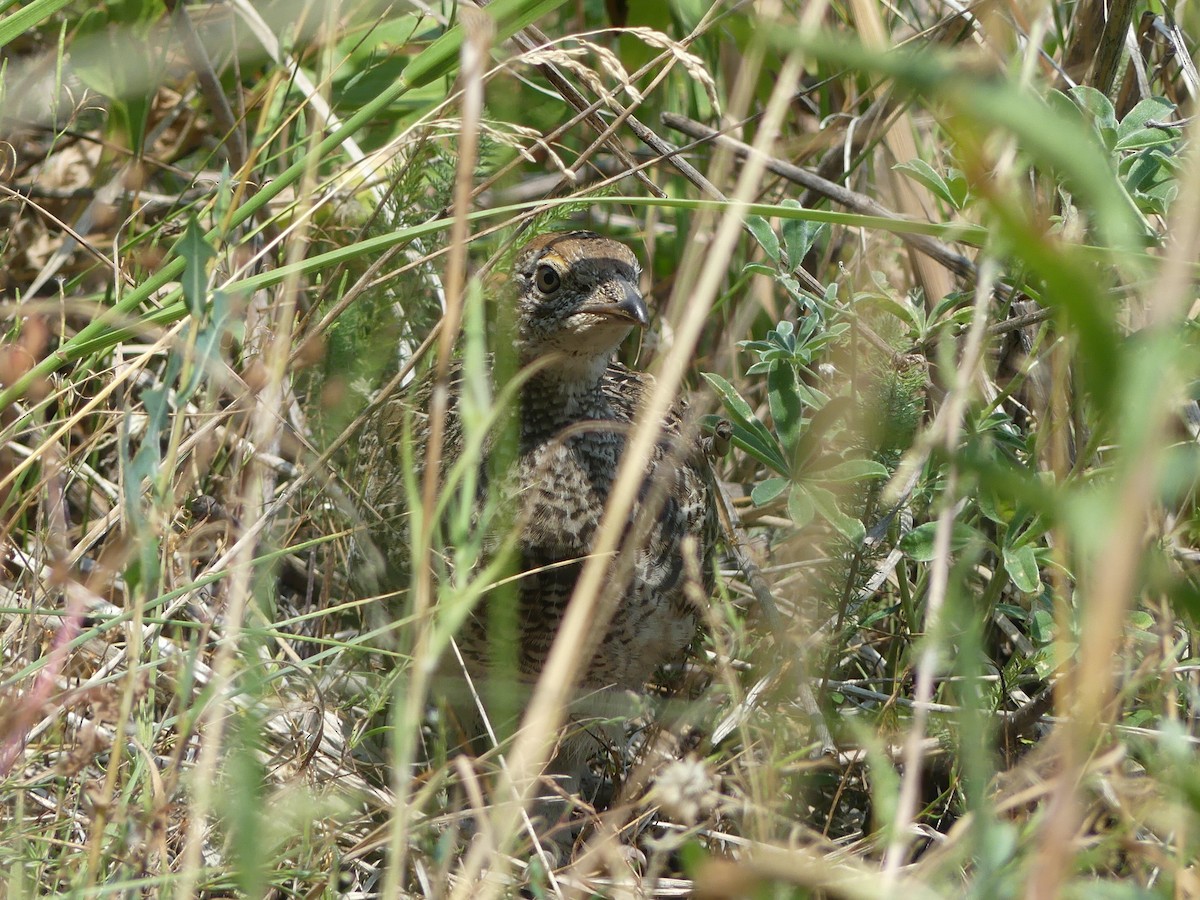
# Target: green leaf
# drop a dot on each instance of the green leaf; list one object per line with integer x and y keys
{"x": 827, "y": 506}
{"x": 954, "y": 302}
{"x": 748, "y": 432}
{"x": 822, "y": 424}
{"x": 783, "y": 334}
{"x": 195, "y": 252}
{"x": 787, "y": 410}
{"x": 801, "y": 508}
{"x": 995, "y": 507}
{"x": 765, "y": 235}
{"x": 729, "y": 396}
{"x": 799, "y": 236}
{"x": 876, "y": 616}
{"x": 27, "y": 17}
{"x": 911, "y": 316}
{"x": 766, "y": 491}
{"x": 923, "y": 173}
{"x": 1141, "y": 620}
{"x": 1041, "y": 626}
{"x": 1132, "y": 133}
{"x": 1101, "y": 108}
{"x": 918, "y": 543}
{"x": 758, "y": 269}
{"x": 811, "y": 397}
{"x": 804, "y": 299}
{"x": 765, "y": 450}
{"x": 1021, "y": 563}
{"x": 1141, "y": 168}
{"x": 960, "y": 188}
{"x": 851, "y": 470}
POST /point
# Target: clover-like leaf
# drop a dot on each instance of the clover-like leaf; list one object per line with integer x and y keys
{"x": 827, "y": 505}
{"x": 918, "y": 544}
{"x": 768, "y": 489}
{"x": 766, "y": 237}
{"x": 852, "y": 470}
{"x": 1022, "y": 567}
{"x": 923, "y": 173}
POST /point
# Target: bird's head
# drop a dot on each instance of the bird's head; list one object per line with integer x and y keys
{"x": 578, "y": 297}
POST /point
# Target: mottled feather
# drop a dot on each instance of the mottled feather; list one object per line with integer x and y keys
{"x": 577, "y": 298}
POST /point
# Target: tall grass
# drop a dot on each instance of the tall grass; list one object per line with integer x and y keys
{"x": 934, "y": 266}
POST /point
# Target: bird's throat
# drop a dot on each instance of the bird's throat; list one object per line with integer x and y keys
{"x": 567, "y": 390}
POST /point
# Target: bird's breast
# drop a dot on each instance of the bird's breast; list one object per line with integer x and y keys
{"x": 565, "y": 486}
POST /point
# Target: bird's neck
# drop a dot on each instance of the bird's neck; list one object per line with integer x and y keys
{"x": 566, "y": 390}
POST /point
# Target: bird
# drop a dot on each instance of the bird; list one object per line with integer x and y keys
{"x": 575, "y": 298}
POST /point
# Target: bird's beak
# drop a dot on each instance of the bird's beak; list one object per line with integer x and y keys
{"x": 630, "y": 307}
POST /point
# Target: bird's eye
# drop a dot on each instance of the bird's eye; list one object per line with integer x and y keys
{"x": 547, "y": 279}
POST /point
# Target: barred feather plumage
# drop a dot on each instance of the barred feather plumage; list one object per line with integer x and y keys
{"x": 577, "y": 298}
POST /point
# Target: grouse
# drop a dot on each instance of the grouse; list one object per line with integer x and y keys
{"x": 577, "y": 298}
